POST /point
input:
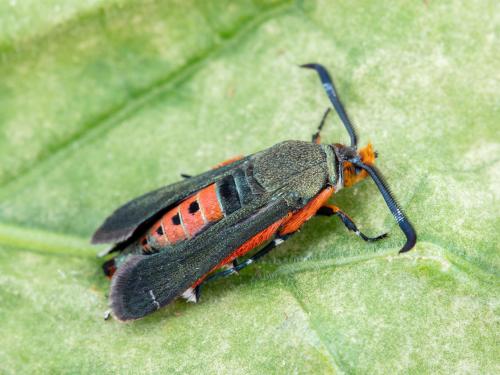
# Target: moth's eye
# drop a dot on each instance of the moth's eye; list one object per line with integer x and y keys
{"x": 357, "y": 170}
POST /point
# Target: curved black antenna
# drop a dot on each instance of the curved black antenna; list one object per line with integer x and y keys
{"x": 397, "y": 212}
{"x": 326, "y": 80}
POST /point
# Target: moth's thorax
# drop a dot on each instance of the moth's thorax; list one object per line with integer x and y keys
{"x": 292, "y": 167}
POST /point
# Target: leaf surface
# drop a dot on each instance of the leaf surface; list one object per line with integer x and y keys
{"x": 103, "y": 101}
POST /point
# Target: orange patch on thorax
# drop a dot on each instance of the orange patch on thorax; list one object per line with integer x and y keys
{"x": 367, "y": 157}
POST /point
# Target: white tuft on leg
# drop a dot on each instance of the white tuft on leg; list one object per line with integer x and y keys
{"x": 190, "y": 295}
{"x": 107, "y": 314}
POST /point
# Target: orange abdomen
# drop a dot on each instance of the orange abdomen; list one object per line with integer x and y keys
{"x": 185, "y": 220}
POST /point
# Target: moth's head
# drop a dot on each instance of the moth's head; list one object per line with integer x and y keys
{"x": 348, "y": 172}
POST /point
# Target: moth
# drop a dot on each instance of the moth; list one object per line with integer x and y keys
{"x": 171, "y": 241}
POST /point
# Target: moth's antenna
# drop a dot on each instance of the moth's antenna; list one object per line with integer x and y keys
{"x": 397, "y": 212}
{"x": 326, "y": 80}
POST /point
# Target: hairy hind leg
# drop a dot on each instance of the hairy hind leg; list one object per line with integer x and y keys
{"x": 236, "y": 267}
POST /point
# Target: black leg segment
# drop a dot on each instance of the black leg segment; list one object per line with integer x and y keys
{"x": 331, "y": 210}
{"x": 316, "y": 138}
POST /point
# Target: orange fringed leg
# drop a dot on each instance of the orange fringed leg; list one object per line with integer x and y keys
{"x": 331, "y": 210}
{"x": 315, "y": 207}
{"x": 236, "y": 267}
{"x": 288, "y": 227}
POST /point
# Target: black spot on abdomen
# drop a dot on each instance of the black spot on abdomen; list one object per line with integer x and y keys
{"x": 193, "y": 207}
{"x": 176, "y": 220}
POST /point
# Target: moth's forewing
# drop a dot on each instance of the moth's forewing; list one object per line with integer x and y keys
{"x": 124, "y": 222}
{"x": 143, "y": 283}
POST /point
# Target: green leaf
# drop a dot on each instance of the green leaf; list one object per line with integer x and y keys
{"x": 103, "y": 101}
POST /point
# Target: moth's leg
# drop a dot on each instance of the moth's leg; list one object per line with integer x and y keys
{"x": 186, "y": 176}
{"x": 233, "y": 265}
{"x": 236, "y": 267}
{"x": 316, "y": 138}
{"x": 331, "y": 210}
{"x": 192, "y": 294}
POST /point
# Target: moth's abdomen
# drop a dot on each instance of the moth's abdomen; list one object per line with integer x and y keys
{"x": 185, "y": 220}
{"x": 196, "y": 212}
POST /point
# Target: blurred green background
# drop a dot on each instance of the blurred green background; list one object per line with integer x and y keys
{"x": 101, "y": 101}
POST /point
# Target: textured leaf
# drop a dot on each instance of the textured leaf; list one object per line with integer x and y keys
{"x": 103, "y": 101}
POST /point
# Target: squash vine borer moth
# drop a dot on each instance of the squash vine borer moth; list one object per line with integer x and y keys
{"x": 172, "y": 240}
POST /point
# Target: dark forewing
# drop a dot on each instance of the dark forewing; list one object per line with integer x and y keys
{"x": 122, "y": 223}
{"x": 143, "y": 284}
